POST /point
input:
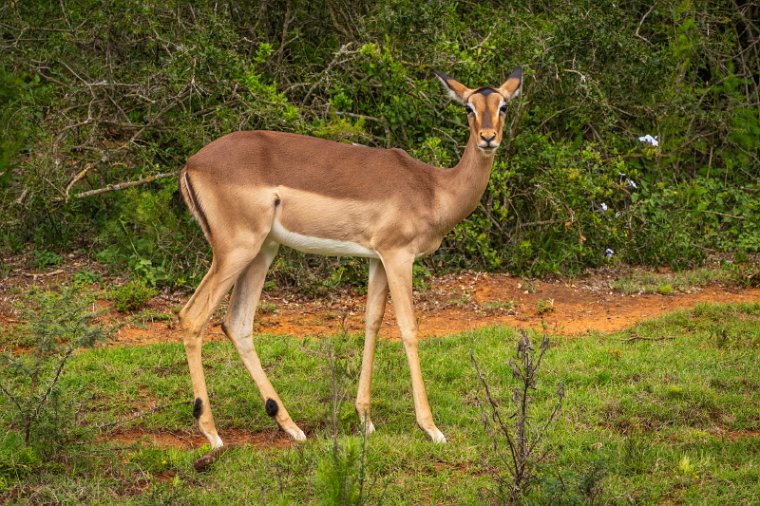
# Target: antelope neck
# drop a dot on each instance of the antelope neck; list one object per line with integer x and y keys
{"x": 463, "y": 185}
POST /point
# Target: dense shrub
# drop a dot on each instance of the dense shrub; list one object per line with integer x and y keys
{"x": 100, "y": 91}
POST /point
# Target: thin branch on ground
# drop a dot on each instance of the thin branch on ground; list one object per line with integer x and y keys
{"x": 636, "y": 337}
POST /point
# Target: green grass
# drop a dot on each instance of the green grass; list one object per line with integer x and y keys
{"x": 646, "y": 422}
{"x": 729, "y": 273}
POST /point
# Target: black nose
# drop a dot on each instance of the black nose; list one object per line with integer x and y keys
{"x": 488, "y": 139}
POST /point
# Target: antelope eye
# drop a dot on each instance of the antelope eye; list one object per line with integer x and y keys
{"x": 503, "y": 109}
{"x": 469, "y": 109}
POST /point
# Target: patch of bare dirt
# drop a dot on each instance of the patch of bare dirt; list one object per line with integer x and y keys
{"x": 453, "y": 303}
{"x": 273, "y": 438}
{"x": 743, "y": 434}
{"x": 458, "y": 303}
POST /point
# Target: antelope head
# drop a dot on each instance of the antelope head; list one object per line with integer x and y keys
{"x": 486, "y": 107}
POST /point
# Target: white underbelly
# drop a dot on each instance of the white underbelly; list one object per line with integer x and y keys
{"x": 318, "y": 245}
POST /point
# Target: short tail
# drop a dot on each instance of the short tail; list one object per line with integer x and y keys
{"x": 192, "y": 202}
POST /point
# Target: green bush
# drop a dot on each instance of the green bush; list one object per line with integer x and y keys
{"x": 119, "y": 92}
{"x": 132, "y": 296}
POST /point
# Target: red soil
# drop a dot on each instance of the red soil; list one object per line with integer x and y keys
{"x": 453, "y": 303}
{"x": 458, "y": 303}
{"x": 273, "y": 438}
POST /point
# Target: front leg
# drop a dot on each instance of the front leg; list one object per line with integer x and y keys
{"x": 377, "y": 295}
{"x": 398, "y": 267}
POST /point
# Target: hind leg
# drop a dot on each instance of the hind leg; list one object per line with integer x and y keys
{"x": 193, "y": 319}
{"x": 238, "y": 326}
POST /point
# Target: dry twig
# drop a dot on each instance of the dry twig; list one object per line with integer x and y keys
{"x": 118, "y": 186}
{"x": 636, "y": 337}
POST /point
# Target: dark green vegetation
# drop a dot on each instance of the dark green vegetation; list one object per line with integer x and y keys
{"x": 663, "y": 413}
{"x": 100, "y": 92}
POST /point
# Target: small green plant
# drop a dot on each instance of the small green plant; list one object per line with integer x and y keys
{"x": 689, "y": 470}
{"x": 342, "y": 478}
{"x": 267, "y": 308}
{"x": 520, "y": 430}
{"x": 634, "y": 452}
{"x": 44, "y": 258}
{"x": 156, "y": 460}
{"x": 745, "y": 273}
{"x": 463, "y": 300}
{"x": 58, "y": 324}
{"x": 544, "y": 306}
{"x": 132, "y": 296}
{"x": 665, "y": 289}
{"x": 507, "y": 306}
{"x": 421, "y": 277}
{"x": 569, "y": 488}
{"x": 150, "y": 315}
{"x": 16, "y": 458}
{"x": 85, "y": 278}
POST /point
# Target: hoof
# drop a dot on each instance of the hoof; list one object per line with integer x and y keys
{"x": 215, "y": 440}
{"x": 436, "y": 435}
{"x": 367, "y": 427}
{"x": 296, "y": 433}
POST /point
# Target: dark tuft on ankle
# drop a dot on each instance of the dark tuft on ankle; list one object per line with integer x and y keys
{"x": 271, "y": 407}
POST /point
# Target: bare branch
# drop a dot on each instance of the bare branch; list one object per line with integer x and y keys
{"x": 638, "y": 28}
{"x": 75, "y": 179}
{"x": 121, "y": 186}
{"x": 495, "y": 409}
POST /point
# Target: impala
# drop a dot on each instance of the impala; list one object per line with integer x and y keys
{"x": 253, "y": 191}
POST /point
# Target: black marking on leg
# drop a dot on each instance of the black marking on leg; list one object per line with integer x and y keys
{"x": 276, "y": 201}
{"x": 271, "y": 407}
{"x": 197, "y": 408}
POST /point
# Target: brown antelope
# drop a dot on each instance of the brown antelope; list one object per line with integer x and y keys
{"x": 253, "y": 191}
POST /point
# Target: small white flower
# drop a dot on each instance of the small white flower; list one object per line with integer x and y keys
{"x": 623, "y": 178}
{"x": 603, "y": 207}
{"x": 617, "y": 214}
{"x": 648, "y": 139}
{"x": 609, "y": 253}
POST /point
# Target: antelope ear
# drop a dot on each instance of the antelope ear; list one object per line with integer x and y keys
{"x": 513, "y": 85}
{"x": 456, "y": 90}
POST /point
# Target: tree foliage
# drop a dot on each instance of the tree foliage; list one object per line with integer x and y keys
{"x": 98, "y": 92}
